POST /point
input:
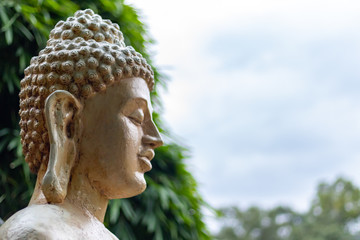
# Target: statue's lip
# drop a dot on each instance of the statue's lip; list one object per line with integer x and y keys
{"x": 145, "y": 164}
{"x": 145, "y": 157}
{"x": 148, "y": 153}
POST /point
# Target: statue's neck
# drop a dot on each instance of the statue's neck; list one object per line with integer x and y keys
{"x": 80, "y": 194}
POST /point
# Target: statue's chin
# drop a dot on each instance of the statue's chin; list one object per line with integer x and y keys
{"x": 129, "y": 187}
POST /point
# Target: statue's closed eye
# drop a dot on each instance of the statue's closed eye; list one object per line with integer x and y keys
{"x": 137, "y": 116}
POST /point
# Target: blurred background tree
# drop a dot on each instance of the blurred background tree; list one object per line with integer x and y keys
{"x": 334, "y": 214}
{"x": 170, "y": 208}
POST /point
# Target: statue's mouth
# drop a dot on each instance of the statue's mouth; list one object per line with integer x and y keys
{"x": 148, "y": 153}
{"x": 145, "y": 164}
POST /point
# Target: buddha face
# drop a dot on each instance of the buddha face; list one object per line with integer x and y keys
{"x": 118, "y": 138}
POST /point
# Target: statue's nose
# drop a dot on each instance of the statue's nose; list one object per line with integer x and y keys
{"x": 152, "y": 137}
{"x": 153, "y": 142}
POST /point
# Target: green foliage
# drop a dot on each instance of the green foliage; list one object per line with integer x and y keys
{"x": 333, "y": 214}
{"x": 171, "y": 207}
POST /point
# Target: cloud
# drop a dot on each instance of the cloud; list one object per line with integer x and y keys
{"x": 266, "y": 93}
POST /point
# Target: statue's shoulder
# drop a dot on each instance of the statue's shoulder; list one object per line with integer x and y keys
{"x": 48, "y": 221}
{"x": 38, "y": 222}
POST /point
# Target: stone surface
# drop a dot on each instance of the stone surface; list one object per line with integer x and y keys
{"x": 86, "y": 129}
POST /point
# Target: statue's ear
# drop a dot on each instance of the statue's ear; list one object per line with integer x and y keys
{"x": 62, "y": 114}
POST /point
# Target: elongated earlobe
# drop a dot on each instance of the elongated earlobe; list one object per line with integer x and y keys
{"x": 62, "y": 120}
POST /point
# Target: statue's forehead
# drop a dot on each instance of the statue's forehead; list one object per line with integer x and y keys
{"x": 123, "y": 91}
{"x": 131, "y": 88}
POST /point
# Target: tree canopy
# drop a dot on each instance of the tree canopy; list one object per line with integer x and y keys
{"x": 170, "y": 208}
{"x": 334, "y": 214}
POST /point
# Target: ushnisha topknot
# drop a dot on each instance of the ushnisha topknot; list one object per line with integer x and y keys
{"x": 84, "y": 55}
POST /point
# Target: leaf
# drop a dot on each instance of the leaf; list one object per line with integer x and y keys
{"x": 2, "y": 197}
{"x": 24, "y": 31}
{"x": 8, "y": 30}
{"x": 9, "y": 23}
{"x": 12, "y": 144}
{"x": 127, "y": 209}
{"x": 158, "y": 233}
{"x": 3, "y": 15}
{"x": 114, "y": 210}
{"x": 16, "y": 163}
{"x": 4, "y": 132}
{"x": 163, "y": 198}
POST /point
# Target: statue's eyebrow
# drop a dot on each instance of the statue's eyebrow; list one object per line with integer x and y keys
{"x": 146, "y": 106}
{"x": 139, "y": 102}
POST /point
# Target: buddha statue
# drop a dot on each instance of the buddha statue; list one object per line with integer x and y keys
{"x": 86, "y": 130}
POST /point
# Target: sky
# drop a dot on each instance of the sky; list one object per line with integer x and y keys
{"x": 264, "y": 93}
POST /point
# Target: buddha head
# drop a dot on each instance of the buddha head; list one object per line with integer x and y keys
{"x": 85, "y": 102}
